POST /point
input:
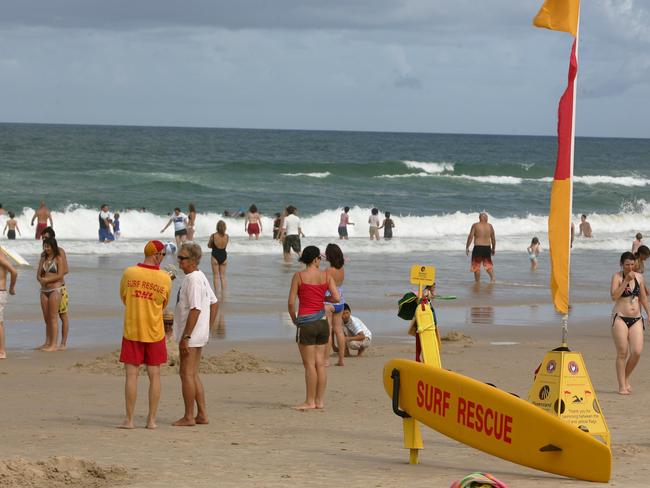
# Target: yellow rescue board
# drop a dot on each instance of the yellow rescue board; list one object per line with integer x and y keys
{"x": 18, "y": 259}
{"x": 496, "y": 422}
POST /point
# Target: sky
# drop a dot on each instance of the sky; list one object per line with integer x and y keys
{"x": 453, "y": 66}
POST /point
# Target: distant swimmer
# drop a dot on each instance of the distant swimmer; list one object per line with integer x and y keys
{"x": 533, "y": 252}
{"x": 373, "y": 223}
{"x": 42, "y": 215}
{"x": 638, "y": 241}
{"x": 485, "y": 244}
{"x": 5, "y": 267}
{"x": 179, "y": 219}
{"x": 388, "y": 224}
{"x": 116, "y": 225}
{"x": 290, "y": 233}
{"x": 191, "y": 221}
{"x": 343, "y": 223}
{"x": 253, "y": 222}
{"x": 105, "y": 223}
{"x": 277, "y": 225}
{"x": 584, "y": 227}
{"x": 11, "y": 226}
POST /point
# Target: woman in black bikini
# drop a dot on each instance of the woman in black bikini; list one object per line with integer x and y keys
{"x": 50, "y": 275}
{"x": 628, "y": 291}
{"x": 218, "y": 242}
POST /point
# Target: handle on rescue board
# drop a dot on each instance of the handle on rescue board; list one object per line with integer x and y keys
{"x": 395, "y": 377}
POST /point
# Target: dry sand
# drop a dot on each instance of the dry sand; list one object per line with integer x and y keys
{"x": 57, "y": 405}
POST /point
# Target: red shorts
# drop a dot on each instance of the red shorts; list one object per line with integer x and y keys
{"x": 253, "y": 229}
{"x": 39, "y": 230}
{"x": 149, "y": 353}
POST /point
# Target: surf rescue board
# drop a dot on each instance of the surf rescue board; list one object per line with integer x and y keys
{"x": 496, "y": 422}
{"x": 17, "y": 258}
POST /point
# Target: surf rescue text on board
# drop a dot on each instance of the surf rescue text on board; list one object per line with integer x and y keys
{"x": 473, "y": 415}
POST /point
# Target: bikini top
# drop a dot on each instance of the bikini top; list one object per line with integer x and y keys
{"x": 632, "y": 293}
{"x": 49, "y": 267}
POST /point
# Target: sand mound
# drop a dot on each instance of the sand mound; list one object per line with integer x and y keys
{"x": 57, "y": 472}
{"x": 455, "y": 336}
{"x": 230, "y": 362}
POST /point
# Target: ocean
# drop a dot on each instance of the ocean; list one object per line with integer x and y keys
{"x": 433, "y": 184}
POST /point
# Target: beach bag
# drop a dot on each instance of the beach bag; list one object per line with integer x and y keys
{"x": 406, "y": 306}
{"x": 478, "y": 480}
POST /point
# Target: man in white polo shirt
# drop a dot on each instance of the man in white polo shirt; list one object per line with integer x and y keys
{"x": 357, "y": 335}
{"x": 196, "y": 310}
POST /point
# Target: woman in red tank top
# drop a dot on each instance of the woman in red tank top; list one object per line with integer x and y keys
{"x": 309, "y": 287}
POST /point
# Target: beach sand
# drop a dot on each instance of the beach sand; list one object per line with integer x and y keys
{"x": 68, "y": 404}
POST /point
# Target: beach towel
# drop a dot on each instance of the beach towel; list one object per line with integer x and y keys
{"x": 478, "y": 480}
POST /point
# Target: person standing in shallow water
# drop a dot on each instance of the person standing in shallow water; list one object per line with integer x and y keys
{"x": 485, "y": 244}
{"x": 373, "y": 223}
{"x": 628, "y": 292}
{"x": 253, "y": 222}
{"x": 219, "y": 259}
{"x": 309, "y": 287}
{"x": 343, "y": 223}
{"x": 387, "y": 225}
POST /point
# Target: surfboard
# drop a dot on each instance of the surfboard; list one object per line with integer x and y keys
{"x": 496, "y": 422}
{"x": 18, "y": 259}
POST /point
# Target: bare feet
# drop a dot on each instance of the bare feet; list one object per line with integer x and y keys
{"x": 62, "y": 347}
{"x": 127, "y": 424}
{"x": 304, "y": 406}
{"x": 360, "y": 353}
{"x": 40, "y": 347}
{"x": 201, "y": 419}
{"x": 327, "y": 363}
{"x": 183, "y": 422}
{"x": 3, "y": 355}
{"x": 340, "y": 363}
{"x": 623, "y": 392}
{"x": 49, "y": 349}
{"x": 629, "y": 388}
{"x": 151, "y": 425}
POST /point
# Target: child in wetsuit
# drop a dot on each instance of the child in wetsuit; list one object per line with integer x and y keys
{"x": 116, "y": 225}
{"x": 11, "y": 227}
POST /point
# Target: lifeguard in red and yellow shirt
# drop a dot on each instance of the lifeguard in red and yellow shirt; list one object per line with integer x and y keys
{"x": 144, "y": 290}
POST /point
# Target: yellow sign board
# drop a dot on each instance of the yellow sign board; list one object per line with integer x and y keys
{"x": 423, "y": 275}
{"x": 562, "y": 388}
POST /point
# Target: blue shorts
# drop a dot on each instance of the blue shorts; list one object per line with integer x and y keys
{"x": 105, "y": 235}
{"x": 338, "y": 307}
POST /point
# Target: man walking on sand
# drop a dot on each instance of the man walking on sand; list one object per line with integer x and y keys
{"x": 195, "y": 312}
{"x": 485, "y": 244}
{"x": 144, "y": 290}
{"x": 5, "y": 267}
{"x": 42, "y": 215}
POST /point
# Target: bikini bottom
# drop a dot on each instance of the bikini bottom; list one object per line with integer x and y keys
{"x": 629, "y": 321}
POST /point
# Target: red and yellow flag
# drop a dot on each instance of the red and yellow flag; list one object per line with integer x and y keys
{"x": 559, "y": 218}
{"x": 562, "y": 15}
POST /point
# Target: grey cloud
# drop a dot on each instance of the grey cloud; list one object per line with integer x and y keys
{"x": 410, "y": 82}
{"x": 263, "y": 14}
